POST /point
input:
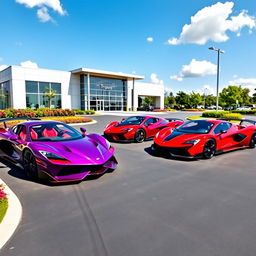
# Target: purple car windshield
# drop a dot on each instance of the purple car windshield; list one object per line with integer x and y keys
{"x": 53, "y": 132}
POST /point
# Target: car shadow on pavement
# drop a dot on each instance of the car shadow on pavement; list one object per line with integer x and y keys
{"x": 19, "y": 173}
{"x": 168, "y": 156}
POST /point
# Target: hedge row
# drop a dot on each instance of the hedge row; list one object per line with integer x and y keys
{"x": 221, "y": 114}
{"x": 193, "y": 109}
{"x": 41, "y": 112}
{"x": 245, "y": 112}
{"x": 84, "y": 112}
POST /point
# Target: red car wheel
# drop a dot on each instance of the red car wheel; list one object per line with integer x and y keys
{"x": 209, "y": 149}
{"x": 139, "y": 136}
{"x": 253, "y": 141}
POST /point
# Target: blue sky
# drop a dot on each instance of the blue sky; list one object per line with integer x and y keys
{"x": 165, "y": 41}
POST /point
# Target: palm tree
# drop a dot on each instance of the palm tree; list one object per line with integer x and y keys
{"x": 49, "y": 94}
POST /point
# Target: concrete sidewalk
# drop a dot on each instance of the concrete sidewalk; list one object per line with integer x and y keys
{"x": 12, "y": 217}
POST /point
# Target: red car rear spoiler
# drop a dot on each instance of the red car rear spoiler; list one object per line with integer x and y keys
{"x": 241, "y": 120}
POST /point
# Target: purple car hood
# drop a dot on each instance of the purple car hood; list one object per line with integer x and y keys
{"x": 82, "y": 151}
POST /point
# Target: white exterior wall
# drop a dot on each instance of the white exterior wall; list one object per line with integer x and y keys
{"x": 148, "y": 89}
{"x": 22, "y": 74}
{"x": 6, "y": 75}
{"x": 70, "y": 87}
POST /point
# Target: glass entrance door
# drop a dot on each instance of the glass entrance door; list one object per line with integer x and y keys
{"x": 99, "y": 105}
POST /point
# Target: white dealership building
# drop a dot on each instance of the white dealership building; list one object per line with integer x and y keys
{"x": 82, "y": 88}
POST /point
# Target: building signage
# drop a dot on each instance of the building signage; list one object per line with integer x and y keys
{"x": 106, "y": 87}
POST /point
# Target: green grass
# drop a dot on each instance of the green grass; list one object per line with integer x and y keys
{"x": 3, "y": 207}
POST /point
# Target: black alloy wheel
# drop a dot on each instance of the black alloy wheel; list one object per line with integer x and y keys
{"x": 140, "y": 135}
{"x": 209, "y": 149}
{"x": 30, "y": 165}
{"x": 253, "y": 141}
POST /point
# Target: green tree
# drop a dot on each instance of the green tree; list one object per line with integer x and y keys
{"x": 169, "y": 99}
{"x": 148, "y": 100}
{"x": 182, "y": 98}
{"x": 231, "y": 95}
{"x": 245, "y": 96}
{"x": 49, "y": 94}
{"x": 195, "y": 99}
{"x": 254, "y": 97}
{"x": 210, "y": 100}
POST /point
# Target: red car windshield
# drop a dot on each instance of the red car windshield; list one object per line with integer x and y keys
{"x": 133, "y": 120}
{"x": 195, "y": 126}
{"x": 53, "y": 132}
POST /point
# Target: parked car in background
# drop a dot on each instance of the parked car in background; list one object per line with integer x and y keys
{"x": 138, "y": 128}
{"x": 244, "y": 108}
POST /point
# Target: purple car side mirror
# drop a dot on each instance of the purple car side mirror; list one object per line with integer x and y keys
{"x": 83, "y": 130}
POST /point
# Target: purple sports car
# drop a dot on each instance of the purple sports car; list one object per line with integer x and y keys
{"x": 55, "y": 151}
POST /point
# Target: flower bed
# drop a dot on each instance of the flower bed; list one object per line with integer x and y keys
{"x": 35, "y": 113}
{"x": 3, "y": 203}
{"x": 66, "y": 119}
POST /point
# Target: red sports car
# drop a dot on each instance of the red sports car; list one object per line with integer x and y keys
{"x": 138, "y": 128}
{"x": 205, "y": 138}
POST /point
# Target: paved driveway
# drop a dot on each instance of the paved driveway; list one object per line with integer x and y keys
{"x": 148, "y": 206}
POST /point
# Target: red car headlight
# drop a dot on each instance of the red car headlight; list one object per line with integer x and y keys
{"x": 127, "y": 130}
{"x": 193, "y": 142}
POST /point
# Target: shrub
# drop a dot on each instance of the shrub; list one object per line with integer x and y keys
{"x": 193, "y": 109}
{"x": 233, "y": 116}
{"x": 217, "y": 114}
{"x": 245, "y": 112}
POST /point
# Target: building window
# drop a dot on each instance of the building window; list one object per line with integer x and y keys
{"x": 105, "y": 93}
{"x": 5, "y": 95}
{"x": 36, "y": 94}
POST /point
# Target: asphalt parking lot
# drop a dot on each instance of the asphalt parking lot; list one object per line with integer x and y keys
{"x": 148, "y": 206}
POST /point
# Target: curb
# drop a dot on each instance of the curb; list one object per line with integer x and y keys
{"x": 88, "y": 123}
{"x": 12, "y": 217}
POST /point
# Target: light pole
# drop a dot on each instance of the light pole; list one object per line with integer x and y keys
{"x": 218, "y": 71}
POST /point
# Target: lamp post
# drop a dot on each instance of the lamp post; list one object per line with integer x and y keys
{"x": 218, "y": 71}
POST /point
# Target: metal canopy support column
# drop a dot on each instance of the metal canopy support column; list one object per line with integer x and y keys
{"x": 88, "y": 90}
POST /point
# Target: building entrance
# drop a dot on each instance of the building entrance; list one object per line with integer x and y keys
{"x": 99, "y": 105}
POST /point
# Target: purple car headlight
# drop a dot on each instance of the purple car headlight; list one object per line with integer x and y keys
{"x": 53, "y": 157}
{"x": 127, "y": 130}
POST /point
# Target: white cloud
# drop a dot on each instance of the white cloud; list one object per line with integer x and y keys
{"x": 43, "y": 15}
{"x": 29, "y": 64}
{"x": 207, "y": 90}
{"x": 212, "y": 23}
{"x": 43, "y": 8}
{"x": 150, "y": 39}
{"x": 196, "y": 69}
{"x": 249, "y": 83}
{"x": 1, "y": 59}
{"x": 155, "y": 80}
{"x": 2, "y": 67}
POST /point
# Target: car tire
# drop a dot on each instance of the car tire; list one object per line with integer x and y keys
{"x": 30, "y": 165}
{"x": 140, "y": 136}
{"x": 253, "y": 141}
{"x": 209, "y": 149}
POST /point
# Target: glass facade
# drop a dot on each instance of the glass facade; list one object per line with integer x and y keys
{"x": 5, "y": 95}
{"x": 101, "y": 93}
{"x": 35, "y": 94}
